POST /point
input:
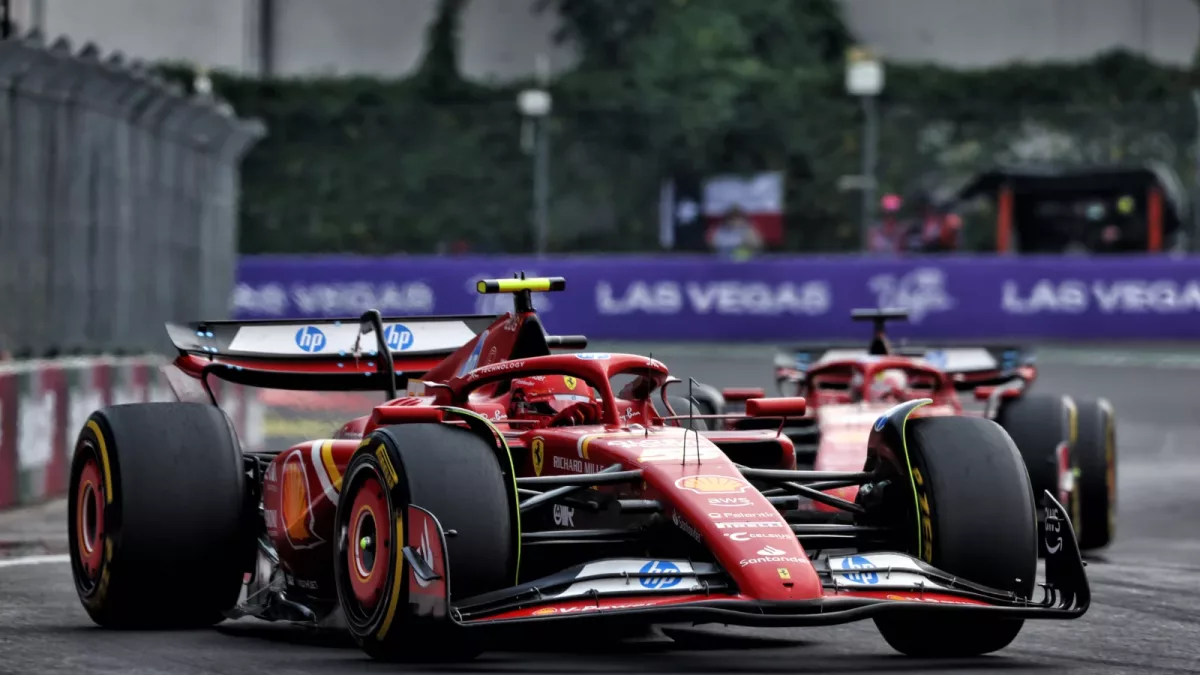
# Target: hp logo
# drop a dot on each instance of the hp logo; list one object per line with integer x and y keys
{"x": 666, "y": 575}
{"x": 398, "y": 337}
{"x": 310, "y": 339}
{"x": 859, "y": 562}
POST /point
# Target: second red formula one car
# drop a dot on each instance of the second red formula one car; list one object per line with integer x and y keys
{"x": 1069, "y": 444}
{"x": 518, "y": 487}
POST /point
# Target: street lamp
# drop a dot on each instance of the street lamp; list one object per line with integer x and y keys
{"x": 864, "y": 79}
{"x": 535, "y": 106}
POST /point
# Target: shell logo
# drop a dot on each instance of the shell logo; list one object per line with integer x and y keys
{"x": 713, "y": 485}
{"x": 545, "y": 611}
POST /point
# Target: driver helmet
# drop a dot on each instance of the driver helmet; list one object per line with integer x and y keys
{"x": 546, "y": 395}
{"x": 888, "y": 381}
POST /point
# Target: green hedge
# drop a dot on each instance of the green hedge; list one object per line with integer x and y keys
{"x": 380, "y": 166}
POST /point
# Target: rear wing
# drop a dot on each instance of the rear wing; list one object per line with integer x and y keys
{"x": 977, "y": 365}
{"x": 968, "y": 366}
{"x": 350, "y": 354}
{"x": 327, "y": 339}
{"x": 367, "y": 353}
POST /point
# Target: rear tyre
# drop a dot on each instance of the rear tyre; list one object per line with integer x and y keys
{"x": 1043, "y": 427}
{"x": 683, "y": 406}
{"x": 1095, "y": 453}
{"x": 157, "y": 493}
{"x": 975, "y": 508}
{"x": 710, "y": 399}
{"x": 455, "y": 475}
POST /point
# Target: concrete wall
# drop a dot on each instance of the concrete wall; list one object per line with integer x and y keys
{"x": 503, "y": 37}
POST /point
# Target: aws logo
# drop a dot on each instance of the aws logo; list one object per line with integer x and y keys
{"x": 299, "y": 519}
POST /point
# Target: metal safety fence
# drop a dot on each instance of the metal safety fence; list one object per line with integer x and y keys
{"x": 118, "y": 201}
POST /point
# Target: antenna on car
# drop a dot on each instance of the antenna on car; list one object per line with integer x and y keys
{"x": 372, "y": 321}
{"x": 522, "y": 300}
{"x": 646, "y": 422}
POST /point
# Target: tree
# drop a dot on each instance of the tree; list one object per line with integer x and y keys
{"x": 439, "y": 72}
{"x": 708, "y": 86}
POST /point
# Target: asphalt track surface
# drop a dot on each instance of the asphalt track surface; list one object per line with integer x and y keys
{"x": 1145, "y": 615}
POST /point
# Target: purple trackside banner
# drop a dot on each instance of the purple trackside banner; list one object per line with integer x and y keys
{"x": 692, "y": 298}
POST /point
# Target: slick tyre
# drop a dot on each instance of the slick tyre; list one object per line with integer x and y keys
{"x": 454, "y": 474}
{"x": 974, "y": 506}
{"x": 1095, "y": 452}
{"x": 684, "y": 406}
{"x": 1044, "y": 426}
{"x": 157, "y": 494}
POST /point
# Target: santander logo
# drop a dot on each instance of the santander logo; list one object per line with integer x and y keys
{"x": 770, "y": 551}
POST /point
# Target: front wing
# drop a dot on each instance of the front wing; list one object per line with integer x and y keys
{"x": 855, "y": 587}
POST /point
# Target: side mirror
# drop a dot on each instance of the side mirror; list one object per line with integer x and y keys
{"x": 793, "y": 406}
{"x": 742, "y": 393}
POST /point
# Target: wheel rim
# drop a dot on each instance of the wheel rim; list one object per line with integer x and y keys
{"x": 367, "y": 544}
{"x": 89, "y": 523}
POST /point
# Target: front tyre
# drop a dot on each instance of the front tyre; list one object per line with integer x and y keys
{"x": 452, "y": 473}
{"x": 1044, "y": 427}
{"x": 975, "y": 512}
{"x": 1095, "y": 452}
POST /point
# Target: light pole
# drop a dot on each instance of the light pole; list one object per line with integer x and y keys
{"x": 535, "y": 106}
{"x": 1194, "y": 242}
{"x": 864, "y": 79}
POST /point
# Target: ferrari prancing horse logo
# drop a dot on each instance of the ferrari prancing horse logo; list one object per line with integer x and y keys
{"x": 570, "y": 382}
{"x": 538, "y": 447}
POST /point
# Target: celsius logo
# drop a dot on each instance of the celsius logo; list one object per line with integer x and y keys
{"x": 310, "y": 339}
{"x": 398, "y": 337}
{"x": 663, "y": 575}
{"x": 747, "y": 536}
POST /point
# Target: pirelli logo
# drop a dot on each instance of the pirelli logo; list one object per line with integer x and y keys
{"x": 385, "y": 462}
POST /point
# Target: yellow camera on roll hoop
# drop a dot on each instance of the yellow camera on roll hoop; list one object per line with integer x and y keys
{"x": 534, "y": 285}
{"x": 522, "y": 289}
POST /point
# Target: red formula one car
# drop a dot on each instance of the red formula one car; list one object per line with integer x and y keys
{"x": 1069, "y": 444}
{"x": 519, "y": 487}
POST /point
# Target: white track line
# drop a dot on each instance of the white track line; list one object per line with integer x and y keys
{"x": 35, "y": 560}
